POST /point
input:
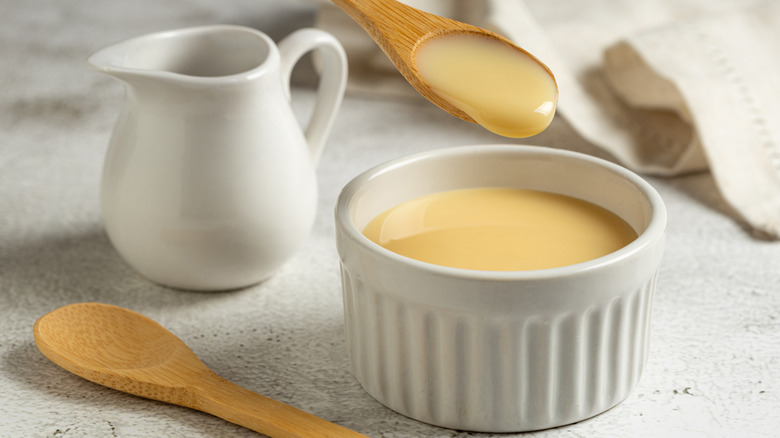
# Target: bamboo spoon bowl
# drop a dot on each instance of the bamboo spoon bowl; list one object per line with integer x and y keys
{"x": 126, "y": 351}
{"x": 399, "y": 29}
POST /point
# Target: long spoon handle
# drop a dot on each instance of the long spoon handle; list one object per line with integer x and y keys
{"x": 398, "y": 29}
{"x": 403, "y": 23}
{"x": 241, "y": 406}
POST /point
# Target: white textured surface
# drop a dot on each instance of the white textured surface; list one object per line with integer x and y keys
{"x": 715, "y": 334}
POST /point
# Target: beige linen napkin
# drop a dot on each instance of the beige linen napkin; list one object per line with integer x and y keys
{"x": 666, "y": 86}
{"x": 720, "y": 75}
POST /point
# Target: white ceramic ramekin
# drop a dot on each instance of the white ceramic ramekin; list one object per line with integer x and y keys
{"x": 498, "y": 351}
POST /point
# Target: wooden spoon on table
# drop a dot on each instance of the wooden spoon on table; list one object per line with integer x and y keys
{"x": 399, "y": 29}
{"x": 127, "y": 351}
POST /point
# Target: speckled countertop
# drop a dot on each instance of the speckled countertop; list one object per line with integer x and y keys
{"x": 715, "y": 347}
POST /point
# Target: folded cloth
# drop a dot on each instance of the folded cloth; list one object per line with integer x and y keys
{"x": 718, "y": 75}
{"x": 666, "y": 86}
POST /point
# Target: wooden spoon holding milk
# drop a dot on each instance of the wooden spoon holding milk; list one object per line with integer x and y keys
{"x": 472, "y": 73}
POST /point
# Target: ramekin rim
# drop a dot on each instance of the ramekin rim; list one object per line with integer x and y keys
{"x": 655, "y": 229}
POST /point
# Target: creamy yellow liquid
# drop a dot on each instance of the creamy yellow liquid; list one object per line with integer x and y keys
{"x": 499, "y": 229}
{"x": 501, "y": 88}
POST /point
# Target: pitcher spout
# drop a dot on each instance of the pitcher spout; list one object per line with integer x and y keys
{"x": 113, "y": 61}
{"x": 127, "y": 62}
{"x": 205, "y": 55}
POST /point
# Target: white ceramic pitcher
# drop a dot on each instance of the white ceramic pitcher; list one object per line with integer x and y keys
{"x": 209, "y": 180}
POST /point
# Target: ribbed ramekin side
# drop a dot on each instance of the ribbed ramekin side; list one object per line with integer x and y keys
{"x": 495, "y": 374}
{"x": 615, "y": 343}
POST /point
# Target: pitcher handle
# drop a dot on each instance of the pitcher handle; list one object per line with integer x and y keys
{"x": 333, "y": 80}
